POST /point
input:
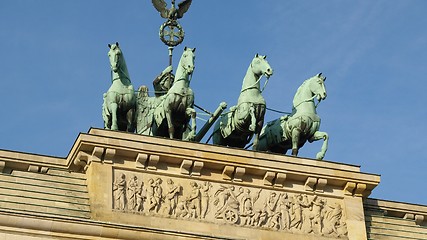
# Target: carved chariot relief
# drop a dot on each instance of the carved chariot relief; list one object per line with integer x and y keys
{"x": 148, "y": 194}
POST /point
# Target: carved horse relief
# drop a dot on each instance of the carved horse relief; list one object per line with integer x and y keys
{"x": 168, "y": 115}
{"x": 291, "y": 132}
{"x": 119, "y": 101}
{"x": 244, "y": 120}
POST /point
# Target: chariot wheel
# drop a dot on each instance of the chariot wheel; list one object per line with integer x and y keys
{"x": 231, "y": 216}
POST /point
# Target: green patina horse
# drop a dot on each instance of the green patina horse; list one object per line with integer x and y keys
{"x": 245, "y": 120}
{"x": 168, "y": 115}
{"x": 291, "y": 132}
{"x": 119, "y": 101}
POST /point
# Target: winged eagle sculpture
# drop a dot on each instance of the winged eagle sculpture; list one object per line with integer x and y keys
{"x": 172, "y": 13}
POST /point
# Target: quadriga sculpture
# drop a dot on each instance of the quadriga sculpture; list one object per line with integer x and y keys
{"x": 119, "y": 102}
{"x": 245, "y": 119}
{"x": 291, "y": 132}
{"x": 168, "y": 115}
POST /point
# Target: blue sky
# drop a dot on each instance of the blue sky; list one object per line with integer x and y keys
{"x": 54, "y": 70}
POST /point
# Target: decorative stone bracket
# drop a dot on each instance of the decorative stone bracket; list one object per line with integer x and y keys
{"x": 109, "y": 155}
{"x": 82, "y": 159}
{"x": 2, "y": 165}
{"x": 355, "y": 189}
{"x": 233, "y": 173}
{"x": 99, "y": 154}
{"x": 189, "y": 167}
{"x": 146, "y": 161}
{"x": 418, "y": 218}
{"x": 315, "y": 184}
{"x": 276, "y": 179}
{"x": 37, "y": 169}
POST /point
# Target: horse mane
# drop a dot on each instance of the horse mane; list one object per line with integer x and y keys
{"x": 125, "y": 67}
{"x": 302, "y": 85}
{"x": 300, "y": 88}
{"x": 123, "y": 64}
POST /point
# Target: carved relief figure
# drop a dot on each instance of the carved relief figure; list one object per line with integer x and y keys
{"x": 204, "y": 190}
{"x": 306, "y": 213}
{"x": 316, "y": 214}
{"x": 171, "y": 198}
{"x": 284, "y": 208}
{"x": 119, "y": 192}
{"x": 227, "y": 204}
{"x": 259, "y": 218}
{"x": 332, "y": 221}
{"x": 246, "y": 202}
{"x": 270, "y": 207}
{"x": 194, "y": 201}
{"x": 222, "y": 199}
{"x": 133, "y": 187}
{"x": 154, "y": 193}
{"x": 141, "y": 196}
{"x": 296, "y": 212}
{"x": 182, "y": 210}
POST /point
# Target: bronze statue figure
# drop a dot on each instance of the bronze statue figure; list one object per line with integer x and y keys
{"x": 173, "y": 13}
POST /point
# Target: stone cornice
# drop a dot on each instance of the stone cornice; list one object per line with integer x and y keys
{"x": 30, "y": 162}
{"x": 236, "y": 162}
{"x": 73, "y": 228}
{"x": 398, "y": 209}
{"x": 230, "y": 161}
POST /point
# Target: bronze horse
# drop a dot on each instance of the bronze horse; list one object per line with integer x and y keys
{"x": 245, "y": 120}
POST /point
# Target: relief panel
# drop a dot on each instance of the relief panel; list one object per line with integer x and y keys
{"x": 149, "y": 194}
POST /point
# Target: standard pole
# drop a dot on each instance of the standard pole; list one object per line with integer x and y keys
{"x": 170, "y": 55}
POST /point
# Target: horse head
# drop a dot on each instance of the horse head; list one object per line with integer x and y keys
{"x": 114, "y": 56}
{"x": 187, "y": 60}
{"x": 317, "y": 86}
{"x": 260, "y": 66}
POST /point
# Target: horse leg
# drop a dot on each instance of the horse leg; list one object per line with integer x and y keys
{"x": 255, "y": 142}
{"x": 257, "y": 133}
{"x": 106, "y": 116}
{"x": 113, "y": 109}
{"x": 192, "y": 113}
{"x": 253, "y": 119}
{"x": 168, "y": 114}
{"x": 130, "y": 104}
{"x": 317, "y": 136}
{"x": 130, "y": 120}
{"x": 295, "y": 139}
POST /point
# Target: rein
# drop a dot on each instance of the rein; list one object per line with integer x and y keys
{"x": 254, "y": 85}
{"x": 123, "y": 72}
{"x": 308, "y": 100}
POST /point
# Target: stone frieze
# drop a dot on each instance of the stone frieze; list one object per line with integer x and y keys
{"x": 188, "y": 199}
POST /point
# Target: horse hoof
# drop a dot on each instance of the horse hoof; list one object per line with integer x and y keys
{"x": 294, "y": 152}
{"x": 320, "y": 156}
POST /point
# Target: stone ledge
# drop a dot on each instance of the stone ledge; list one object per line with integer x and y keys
{"x": 214, "y": 157}
{"x": 89, "y": 229}
{"x": 415, "y": 212}
{"x": 254, "y": 163}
